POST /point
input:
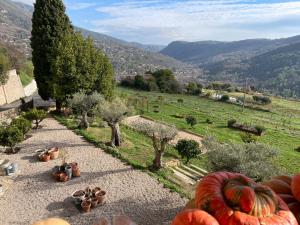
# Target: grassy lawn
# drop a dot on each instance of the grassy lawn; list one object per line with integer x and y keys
{"x": 282, "y": 122}
{"x": 25, "y": 79}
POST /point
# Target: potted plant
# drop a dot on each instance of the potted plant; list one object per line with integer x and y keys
{"x": 78, "y": 196}
{"x": 45, "y": 157}
{"x": 54, "y": 153}
{"x": 94, "y": 202}
{"x": 68, "y": 171}
{"x": 75, "y": 169}
{"x": 100, "y": 196}
{"x": 86, "y": 205}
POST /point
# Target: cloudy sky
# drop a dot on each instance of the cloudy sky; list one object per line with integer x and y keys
{"x": 163, "y": 21}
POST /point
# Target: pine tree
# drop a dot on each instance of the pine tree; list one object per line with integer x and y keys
{"x": 49, "y": 25}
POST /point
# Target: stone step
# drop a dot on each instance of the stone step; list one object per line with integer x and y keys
{"x": 186, "y": 173}
{"x": 199, "y": 169}
{"x": 192, "y": 171}
{"x": 183, "y": 177}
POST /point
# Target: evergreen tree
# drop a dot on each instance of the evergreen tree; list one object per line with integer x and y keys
{"x": 49, "y": 25}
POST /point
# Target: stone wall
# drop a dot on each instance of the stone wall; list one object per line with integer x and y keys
{"x": 12, "y": 90}
{"x": 8, "y": 115}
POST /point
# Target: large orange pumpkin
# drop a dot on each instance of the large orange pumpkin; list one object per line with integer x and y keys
{"x": 234, "y": 199}
{"x": 295, "y": 208}
{"x": 194, "y": 217}
{"x": 52, "y": 221}
{"x": 295, "y": 186}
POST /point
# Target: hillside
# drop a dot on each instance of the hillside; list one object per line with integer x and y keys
{"x": 127, "y": 58}
{"x": 204, "y": 52}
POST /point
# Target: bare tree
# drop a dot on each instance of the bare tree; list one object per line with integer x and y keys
{"x": 160, "y": 135}
{"x": 84, "y": 104}
{"x": 113, "y": 113}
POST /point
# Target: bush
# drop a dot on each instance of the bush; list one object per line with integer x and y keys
{"x": 297, "y": 149}
{"x": 248, "y": 138}
{"x": 225, "y": 98}
{"x": 191, "y": 120}
{"x": 188, "y": 149}
{"x": 22, "y": 124}
{"x": 231, "y": 122}
{"x": 265, "y": 100}
{"x": 255, "y": 160}
{"x": 209, "y": 121}
{"x": 36, "y": 115}
{"x": 10, "y": 136}
{"x": 260, "y": 129}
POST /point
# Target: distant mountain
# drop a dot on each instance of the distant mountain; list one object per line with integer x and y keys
{"x": 151, "y": 48}
{"x": 205, "y": 52}
{"x": 15, "y": 25}
{"x": 127, "y": 58}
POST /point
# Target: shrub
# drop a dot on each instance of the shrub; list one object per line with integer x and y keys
{"x": 22, "y": 124}
{"x": 231, "y": 122}
{"x": 191, "y": 120}
{"x": 298, "y": 149}
{"x": 224, "y": 98}
{"x": 209, "y": 121}
{"x": 188, "y": 149}
{"x": 248, "y": 138}
{"x": 252, "y": 159}
{"x": 10, "y": 136}
{"x": 36, "y": 115}
{"x": 260, "y": 129}
{"x": 265, "y": 100}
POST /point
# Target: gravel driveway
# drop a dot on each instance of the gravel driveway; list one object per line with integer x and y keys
{"x": 35, "y": 195}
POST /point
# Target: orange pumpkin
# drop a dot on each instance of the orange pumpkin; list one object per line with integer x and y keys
{"x": 295, "y": 208}
{"x": 295, "y": 186}
{"x": 279, "y": 186}
{"x": 52, "y": 221}
{"x": 194, "y": 217}
{"x": 234, "y": 199}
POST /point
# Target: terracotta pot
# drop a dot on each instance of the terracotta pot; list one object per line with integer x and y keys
{"x": 54, "y": 153}
{"x": 94, "y": 202}
{"x": 78, "y": 196}
{"x": 76, "y": 173}
{"x": 45, "y": 157}
{"x": 57, "y": 175}
{"x": 96, "y": 190}
{"x": 100, "y": 196}
{"x": 86, "y": 205}
{"x": 63, "y": 177}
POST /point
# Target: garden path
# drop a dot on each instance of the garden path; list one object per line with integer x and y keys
{"x": 35, "y": 195}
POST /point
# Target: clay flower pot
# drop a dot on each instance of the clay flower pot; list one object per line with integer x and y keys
{"x": 75, "y": 169}
{"x": 96, "y": 190}
{"x": 63, "y": 177}
{"x": 54, "y": 153}
{"x": 57, "y": 175}
{"x": 100, "y": 196}
{"x": 86, "y": 205}
{"x": 45, "y": 157}
{"x": 78, "y": 196}
{"x": 94, "y": 202}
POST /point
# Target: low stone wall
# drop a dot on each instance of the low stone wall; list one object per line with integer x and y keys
{"x": 8, "y": 115}
{"x": 12, "y": 90}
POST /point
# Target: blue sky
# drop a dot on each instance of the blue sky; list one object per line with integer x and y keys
{"x": 163, "y": 21}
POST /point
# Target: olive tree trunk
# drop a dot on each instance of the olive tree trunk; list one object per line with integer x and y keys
{"x": 84, "y": 121}
{"x": 159, "y": 147}
{"x": 115, "y": 135}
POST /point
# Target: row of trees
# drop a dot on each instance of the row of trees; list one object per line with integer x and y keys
{"x": 162, "y": 80}
{"x": 64, "y": 61}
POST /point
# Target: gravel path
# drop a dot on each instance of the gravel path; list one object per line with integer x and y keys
{"x": 130, "y": 121}
{"x": 35, "y": 195}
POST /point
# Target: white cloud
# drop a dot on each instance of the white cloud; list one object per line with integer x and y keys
{"x": 28, "y": 2}
{"x": 193, "y": 20}
{"x": 79, "y": 5}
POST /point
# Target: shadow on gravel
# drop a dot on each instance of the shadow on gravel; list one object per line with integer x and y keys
{"x": 143, "y": 213}
{"x": 44, "y": 181}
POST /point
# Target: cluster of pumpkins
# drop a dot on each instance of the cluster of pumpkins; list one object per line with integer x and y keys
{"x": 224, "y": 198}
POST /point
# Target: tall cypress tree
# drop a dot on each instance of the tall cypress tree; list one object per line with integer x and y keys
{"x": 49, "y": 26}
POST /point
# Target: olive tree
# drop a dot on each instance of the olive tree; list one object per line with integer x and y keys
{"x": 160, "y": 135}
{"x": 252, "y": 159}
{"x": 113, "y": 113}
{"x": 83, "y": 104}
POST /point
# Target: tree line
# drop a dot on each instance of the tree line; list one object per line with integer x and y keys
{"x": 64, "y": 61}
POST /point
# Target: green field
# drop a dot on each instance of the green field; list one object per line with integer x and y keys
{"x": 282, "y": 122}
{"x": 25, "y": 79}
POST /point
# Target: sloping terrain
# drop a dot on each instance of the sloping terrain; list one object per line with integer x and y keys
{"x": 127, "y": 58}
